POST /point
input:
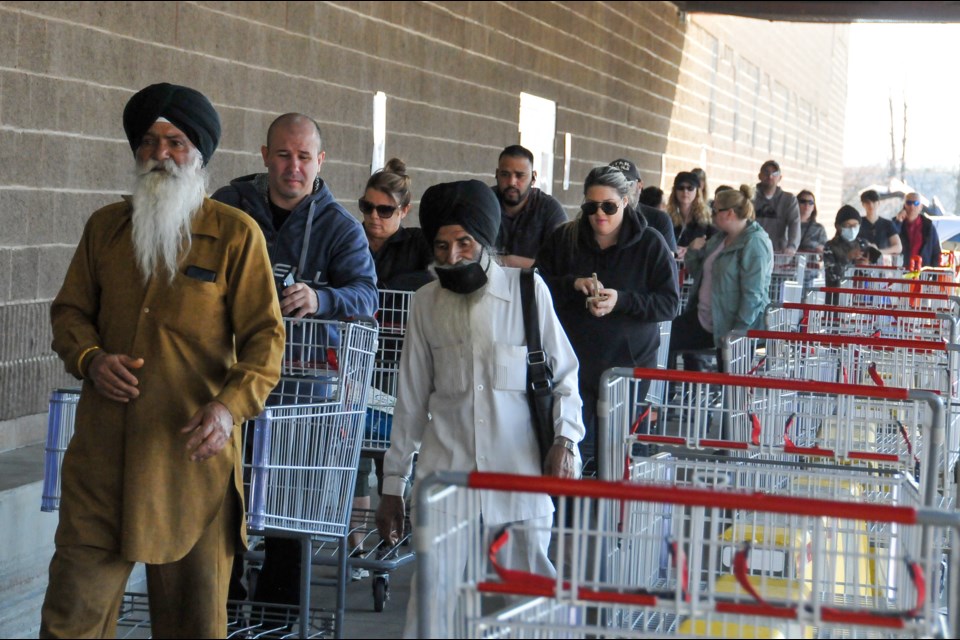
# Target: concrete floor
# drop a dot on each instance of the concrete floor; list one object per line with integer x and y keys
{"x": 359, "y": 621}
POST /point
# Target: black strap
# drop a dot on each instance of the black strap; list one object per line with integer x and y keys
{"x": 539, "y": 375}
{"x": 529, "y": 300}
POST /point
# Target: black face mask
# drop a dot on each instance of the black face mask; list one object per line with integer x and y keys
{"x": 463, "y": 277}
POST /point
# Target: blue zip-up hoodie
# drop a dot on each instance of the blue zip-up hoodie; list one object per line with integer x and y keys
{"x": 337, "y": 263}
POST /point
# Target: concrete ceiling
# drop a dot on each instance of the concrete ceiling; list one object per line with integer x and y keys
{"x": 832, "y": 11}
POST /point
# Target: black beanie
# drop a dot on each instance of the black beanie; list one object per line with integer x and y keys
{"x": 847, "y": 212}
{"x": 470, "y": 204}
{"x": 185, "y": 108}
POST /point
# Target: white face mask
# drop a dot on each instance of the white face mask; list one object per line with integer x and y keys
{"x": 850, "y": 233}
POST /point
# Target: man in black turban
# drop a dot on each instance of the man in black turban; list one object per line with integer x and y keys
{"x": 169, "y": 315}
{"x": 462, "y": 386}
{"x": 187, "y": 109}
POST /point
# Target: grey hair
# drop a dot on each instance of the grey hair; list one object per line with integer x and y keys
{"x": 607, "y": 176}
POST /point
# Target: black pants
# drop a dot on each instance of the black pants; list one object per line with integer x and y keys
{"x": 686, "y": 335}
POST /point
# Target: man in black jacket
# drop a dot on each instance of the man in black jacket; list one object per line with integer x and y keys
{"x": 527, "y": 215}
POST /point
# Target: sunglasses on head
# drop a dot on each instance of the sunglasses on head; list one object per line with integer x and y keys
{"x": 383, "y": 210}
{"x": 685, "y": 187}
{"x": 804, "y": 201}
{"x": 590, "y": 208}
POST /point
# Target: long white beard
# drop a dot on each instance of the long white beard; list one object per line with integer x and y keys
{"x": 453, "y": 313}
{"x": 164, "y": 203}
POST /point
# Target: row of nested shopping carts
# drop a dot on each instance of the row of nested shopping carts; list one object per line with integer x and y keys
{"x": 333, "y": 404}
{"x": 808, "y": 491}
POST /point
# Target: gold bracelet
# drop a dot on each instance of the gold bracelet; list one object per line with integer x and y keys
{"x": 82, "y": 356}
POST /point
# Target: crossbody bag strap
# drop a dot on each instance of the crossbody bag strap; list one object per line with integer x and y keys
{"x": 538, "y": 376}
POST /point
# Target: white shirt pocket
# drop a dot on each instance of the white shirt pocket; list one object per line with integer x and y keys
{"x": 510, "y": 367}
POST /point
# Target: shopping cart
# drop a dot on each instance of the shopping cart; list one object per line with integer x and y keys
{"x": 60, "y": 423}
{"x": 788, "y": 420}
{"x": 879, "y": 323}
{"x": 876, "y": 270}
{"x": 814, "y": 277}
{"x": 306, "y": 448}
{"x": 683, "y": 561}
{"x": 372, "y": 554}
{"x": 911, "y": 285}
{"x": 787, "y": 277}
{"x": 884, "y": 362}
{"x": 853, "y": 297}
{"x": 393, "y": 314}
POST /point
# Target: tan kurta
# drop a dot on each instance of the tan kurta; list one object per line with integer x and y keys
{"x": 127, "y": 482}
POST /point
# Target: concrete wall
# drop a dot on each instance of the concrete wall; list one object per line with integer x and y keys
{"x": 631, "y": 79}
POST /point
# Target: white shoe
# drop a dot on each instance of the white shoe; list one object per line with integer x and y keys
{"x": 358, "y": 573}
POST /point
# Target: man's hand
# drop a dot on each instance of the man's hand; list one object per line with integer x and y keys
{"x": 789, "y": 251}
{"x": 561, "y": 463}
{"x": 390, "y": 519}
{"x": 111, "y": 376}
{"x": 298, "y": 301}
{"x": 212, "y": 427}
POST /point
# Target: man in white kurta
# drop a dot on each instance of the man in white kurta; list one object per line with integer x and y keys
{"x": 462, "y": 398}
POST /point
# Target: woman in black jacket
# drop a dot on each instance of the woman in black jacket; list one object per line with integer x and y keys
{"x": 614, "y": 324}
{"x": 401, "y": 254}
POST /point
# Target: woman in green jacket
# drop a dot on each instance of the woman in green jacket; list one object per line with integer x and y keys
{"x": 731, "y": 274}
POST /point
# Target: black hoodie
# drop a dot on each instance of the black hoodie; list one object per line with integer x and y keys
{"x": 642, "y": 270}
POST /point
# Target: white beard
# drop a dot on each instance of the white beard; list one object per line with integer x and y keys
{"x": 164, "y": 203}
{"x": 453, "y": 314}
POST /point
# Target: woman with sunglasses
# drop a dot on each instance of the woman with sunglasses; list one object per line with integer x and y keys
{"x": 612, "y": 278}
{"x": 689, "y": 213}
{"x": 812, "y": 234}
{"x": 731, "y": 278}
{"x": 401, "y": 254}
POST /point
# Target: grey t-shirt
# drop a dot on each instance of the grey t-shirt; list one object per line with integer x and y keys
{"x": 705, "y": 293}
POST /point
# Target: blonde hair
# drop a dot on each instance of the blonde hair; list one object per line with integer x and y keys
{"x": 740, "y": 201}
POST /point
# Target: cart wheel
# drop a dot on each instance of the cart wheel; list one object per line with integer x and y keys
{"x": 381, "y": 592}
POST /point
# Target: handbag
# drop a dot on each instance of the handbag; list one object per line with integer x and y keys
{"x": 539, "y": 374}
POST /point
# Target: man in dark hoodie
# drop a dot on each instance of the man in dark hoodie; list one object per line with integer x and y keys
{"x": 315, "y": 242}
{"x": 308, "y": 233}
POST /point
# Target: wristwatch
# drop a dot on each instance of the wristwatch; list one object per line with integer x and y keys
{"x": 566, "y": 443}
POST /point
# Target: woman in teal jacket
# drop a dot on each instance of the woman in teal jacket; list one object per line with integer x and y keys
{"x": 731, "y": 274}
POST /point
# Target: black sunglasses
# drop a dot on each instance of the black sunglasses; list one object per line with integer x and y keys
{"x": 590, "y": 208}
{"x": 685, "y": 187}
{"x": 383, "y": 210}
{"x": 804, "y": 201}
